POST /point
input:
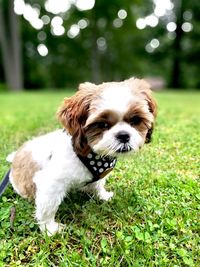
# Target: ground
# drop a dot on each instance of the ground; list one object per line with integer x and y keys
{"x": 153, "y": 218}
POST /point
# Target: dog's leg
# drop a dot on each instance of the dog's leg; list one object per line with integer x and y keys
{"x": 46, "y": 208}
{"x": 50, "y": 192}
{"x": 99, "y": 190}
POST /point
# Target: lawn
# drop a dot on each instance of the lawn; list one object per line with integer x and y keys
{"x": 153, "y": 218}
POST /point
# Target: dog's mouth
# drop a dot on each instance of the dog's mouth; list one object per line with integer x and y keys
{"x": 124, "y": 148}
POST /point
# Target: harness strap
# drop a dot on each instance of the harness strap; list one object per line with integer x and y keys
{"x": 4, "y": 183}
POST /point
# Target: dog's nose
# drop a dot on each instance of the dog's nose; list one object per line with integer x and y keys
{"x": 123, "y": 137}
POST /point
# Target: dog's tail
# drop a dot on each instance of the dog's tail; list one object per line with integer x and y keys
{"x": 10, "y": 157}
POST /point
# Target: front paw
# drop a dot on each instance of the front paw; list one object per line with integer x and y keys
{"x": 106, "y": 195}
{"x": 52, "y": 228}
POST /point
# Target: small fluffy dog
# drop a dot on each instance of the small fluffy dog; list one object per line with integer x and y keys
{"x": 100, "y": 123}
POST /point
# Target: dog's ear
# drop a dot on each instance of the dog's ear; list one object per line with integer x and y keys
{"x": 144, "y": 89}
{"x": 73, "y": 114}
{"x": 151, "y": 102}
{"x": 149, "y": 134}
{"x": 152, "y": 108}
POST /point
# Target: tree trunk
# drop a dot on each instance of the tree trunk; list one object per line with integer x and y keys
{"x": 11, "y": 46}
{"x": 177, "y": 49}
{"x": 95, "y": 65}
{"x": 94, "y": 58}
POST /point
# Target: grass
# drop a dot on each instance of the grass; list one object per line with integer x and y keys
{"x": 153, "y": 219}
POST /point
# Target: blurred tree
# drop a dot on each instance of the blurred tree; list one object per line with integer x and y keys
{"x": 94, "y": 53}
{"x": 182, "y": 47}
{"x": 191, "y": 44}
{"x": 177, "y": 51}
{"x": 11, "y": 45}
{"x": 178, "y": 35}
{"x": 62, "y": 47}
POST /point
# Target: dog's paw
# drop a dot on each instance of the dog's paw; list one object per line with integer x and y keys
{"x": 52, "y": 228}
{"x": 106, "y": 195}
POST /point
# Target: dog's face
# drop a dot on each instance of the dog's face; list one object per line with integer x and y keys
{"x": 110, "y": 118}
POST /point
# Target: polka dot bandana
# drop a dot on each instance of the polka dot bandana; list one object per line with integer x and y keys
{"x": 97, "y": 165}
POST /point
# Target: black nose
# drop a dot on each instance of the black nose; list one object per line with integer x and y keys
{"x": 123, "y": 137}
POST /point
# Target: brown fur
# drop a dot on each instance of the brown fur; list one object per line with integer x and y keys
{"x": 143, "y": 89}
{"x": 144, "y": 124}
{"x": 94, "y": 132}
{"x": 23, "y": 170}
{"x": 73, "y": 114}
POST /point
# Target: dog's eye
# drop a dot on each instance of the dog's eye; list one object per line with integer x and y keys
{"x": 136, "y": 120}
{"x": 102, "y": 125}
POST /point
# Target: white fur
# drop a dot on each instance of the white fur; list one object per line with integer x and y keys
{"x": 108, "y": 145}
{"x": 113, "y": 98}
{"x": 61, "y": 170}
{"x": 116, "y": 99}
{"x": 10, "y": 157}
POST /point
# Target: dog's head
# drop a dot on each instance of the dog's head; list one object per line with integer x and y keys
{"x": 111, "y": 118}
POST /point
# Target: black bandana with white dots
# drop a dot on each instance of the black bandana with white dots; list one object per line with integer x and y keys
{"x": 97, "y": 165}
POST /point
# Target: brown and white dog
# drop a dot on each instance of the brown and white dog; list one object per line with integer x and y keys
{"x": 101, "y": 122}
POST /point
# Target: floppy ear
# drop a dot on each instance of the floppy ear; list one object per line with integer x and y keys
{"x": 73, "y": 114}
{"x": 151, "y": 102}
{"x": 153, "y": 109}
{"x": 149, "y": 135}
{"x": 143, "y": 88}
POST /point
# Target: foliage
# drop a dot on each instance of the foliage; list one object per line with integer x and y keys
{"x": 152, "y": 219}
{"x": 110, "y": 50}
{"x": 79, "y": 59}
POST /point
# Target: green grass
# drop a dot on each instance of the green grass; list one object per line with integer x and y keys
{"x": 153, "y": 219}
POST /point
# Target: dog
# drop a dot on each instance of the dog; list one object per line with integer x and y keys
{"x": 101, "y": 122}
